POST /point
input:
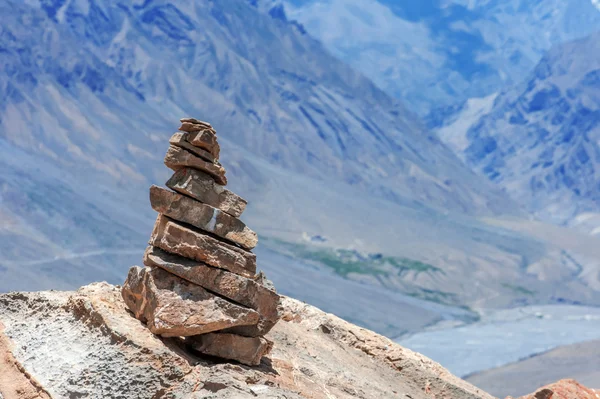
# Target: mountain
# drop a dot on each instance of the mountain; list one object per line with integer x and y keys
{"x": 539, "y": 140}
{"x": 438, "y": 53}
{"x": 345, "y": 186}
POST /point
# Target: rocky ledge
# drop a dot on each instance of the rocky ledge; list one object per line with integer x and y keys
{"x": 86, "y": 344}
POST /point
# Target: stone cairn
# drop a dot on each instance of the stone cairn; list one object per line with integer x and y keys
{"x": 200, "y": 277}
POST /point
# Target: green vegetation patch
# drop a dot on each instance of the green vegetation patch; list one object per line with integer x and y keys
{"x": 346, "y": 261}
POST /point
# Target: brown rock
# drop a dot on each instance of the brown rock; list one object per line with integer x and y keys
{"x": 205, "y": 139}
{"x": 202, "y": 187}
{"x": 202, "y": 216}
{"x": 193, "y": 244}
{"x": 178, "y": 158}
{"x": 174, "y": 307}
{"x": 245, "y": 350}
{"x": 196, "y": 127}
{"x": 196, "y": 122}
{"x": 244, "y": 291}
{"x": 563, "y": 389}
{"x": 180, "y": 140}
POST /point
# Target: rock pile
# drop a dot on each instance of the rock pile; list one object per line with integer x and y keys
{"x": 200, "y": 278}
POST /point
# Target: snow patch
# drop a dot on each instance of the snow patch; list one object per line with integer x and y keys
{"x": 455, "y": 134}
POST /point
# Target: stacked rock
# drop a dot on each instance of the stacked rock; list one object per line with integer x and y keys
{"x": 200, "y": 278}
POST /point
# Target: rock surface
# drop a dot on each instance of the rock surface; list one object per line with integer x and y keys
{"x": 202, "y": 216}
{"x": 246, "y": 350}
{"x": 85, "y": 344}
{"x": 173, "y": 307}
{"x": 177, "y": 158}
{"x": 172, "y": 237}
{"x": 245, "y": 291}
{"x": 202, "y": 187}
{"x": 564, "y": 389}
{"x": 180, "y": 140}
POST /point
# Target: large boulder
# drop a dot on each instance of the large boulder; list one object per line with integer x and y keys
{"x": 242, "y": 290}
{"x": 246, "y": 350}
{"x": 174, "y": 307}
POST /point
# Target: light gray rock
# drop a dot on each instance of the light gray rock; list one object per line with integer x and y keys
{"x": 177, "y": 158}
{"x": 202, "y": 216}
{"x": 244, "y": 291}
{"x": 179, "y": 139}
{"x": 174, "y": 307}
{"x": 202, "y": 187}
{"x": 193, "y": 244}
{"x": 246, "y": 350}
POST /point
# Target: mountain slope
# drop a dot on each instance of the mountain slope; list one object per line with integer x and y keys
{"x": 540, "y": 139}
{"x": 89, "y": 97}
{"x": 441, "y": 52}
{"x": 299, "y": 107}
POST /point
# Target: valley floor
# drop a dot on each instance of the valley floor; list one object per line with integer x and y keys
{"x": 508, "y": 336}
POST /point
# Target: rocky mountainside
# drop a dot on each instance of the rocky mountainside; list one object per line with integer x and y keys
{"x": 441, "y": 52}
{"x": 85, "y": 344}
{"x": 299, "y": 124}
{"x": 539, "y": 139}
{"x": 305, "y": 135}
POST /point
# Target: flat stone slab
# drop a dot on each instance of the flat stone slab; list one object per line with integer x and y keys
{"x": 202, "y": 216}
{"x": 246, "y": 350}
{"x": 190, "y": 243}
{"x": 202, "y": 187}
{"x": 244, "y": 291}
{"x": 179, "y": 139}
{"x": 195, "y": 121}
{"x": 188, "y": 126}
{"x": 178, "y": 158}
{"x": 174, "y": 307}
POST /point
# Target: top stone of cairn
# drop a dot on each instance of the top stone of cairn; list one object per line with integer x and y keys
{"x": 195, "y": 125}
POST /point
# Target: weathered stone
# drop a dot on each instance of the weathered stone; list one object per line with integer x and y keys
{"x": 193, "y": 244}
{"x": 196, "y": 122}
{"x": 205, "y": 139}
{"x": 245, "y": 350}
{"x": 196, "y": 127}
{"x": 179, "y": 139}
{"x": 202, "y": 187}
{"x": 244, "y": 291}
{"x": 202, "y": 216}
{"x": 174, "y": 307}
{"x": 178, "y": 158}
